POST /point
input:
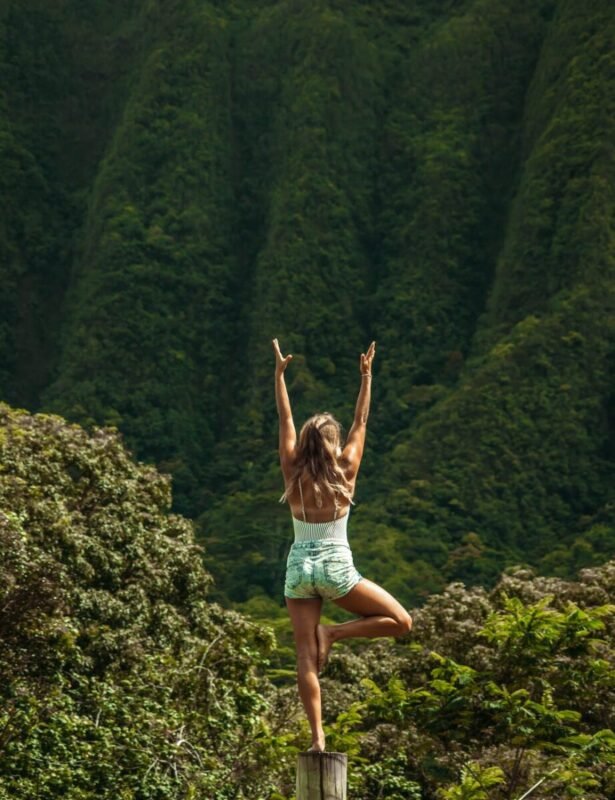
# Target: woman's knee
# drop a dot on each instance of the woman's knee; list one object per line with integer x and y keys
{"x": 404, "y": 622}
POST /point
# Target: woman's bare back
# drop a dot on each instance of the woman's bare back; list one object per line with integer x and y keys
{"x": 313, "y": 513}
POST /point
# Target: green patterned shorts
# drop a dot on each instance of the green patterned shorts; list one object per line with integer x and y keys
{"x": 320, "y": 568}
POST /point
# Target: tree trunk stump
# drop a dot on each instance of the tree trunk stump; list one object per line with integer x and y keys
{"x": 321, "y": 776}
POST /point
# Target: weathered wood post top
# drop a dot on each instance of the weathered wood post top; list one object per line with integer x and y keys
{"x": 321, "y": 776}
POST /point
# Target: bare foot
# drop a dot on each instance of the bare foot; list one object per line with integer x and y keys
{"x": 318, "y": 744}
{"x": 324, "y": 645}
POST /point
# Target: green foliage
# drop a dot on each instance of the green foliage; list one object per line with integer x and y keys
{"x": 182, "y": 181}
{"x": 117, "y": 677}
{"x": 386, "y": 779}
{"x": 508, "y": 707}
{"x": 476, "y": 781}
{"x": 121, "y": 677}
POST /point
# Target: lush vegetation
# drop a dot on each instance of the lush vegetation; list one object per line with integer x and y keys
{"x": 183, "y": 181}
{"x": 395, "y": 171}
{"x": 121, "y": 678}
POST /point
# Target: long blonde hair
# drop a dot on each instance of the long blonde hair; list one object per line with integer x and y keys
{"x": 318, "y": 451}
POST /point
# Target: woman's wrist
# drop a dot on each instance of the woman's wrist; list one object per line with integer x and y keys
{"x": 366, "y": 374}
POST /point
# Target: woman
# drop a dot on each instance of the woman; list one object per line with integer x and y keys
{"x": 320, "y": 477}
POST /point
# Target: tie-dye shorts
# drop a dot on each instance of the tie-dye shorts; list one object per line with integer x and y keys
{"x": 320, "y": 568}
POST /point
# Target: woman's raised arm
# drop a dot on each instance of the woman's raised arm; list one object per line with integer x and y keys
{"x": 355, "y": 443}
{"x": 288, "y": 435}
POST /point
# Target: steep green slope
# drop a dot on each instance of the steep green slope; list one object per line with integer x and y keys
{"x": 34, "y": 236}
{"x": 186, "y": 181}
{"x": 63, "y": 67}
{"x": 150, "y": 312}
{"x": 449, "y": 159}
{"x": 517, "y": 462}
{"x": 311, "y": 267}
{"x": 392, "y": 207}
{"x": 559, "y": 228}
{"x": 315, "y": 128}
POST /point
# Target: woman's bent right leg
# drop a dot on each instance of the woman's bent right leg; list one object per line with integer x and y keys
{"x": 381, "y": 615}
{"x": 305, "y": 615}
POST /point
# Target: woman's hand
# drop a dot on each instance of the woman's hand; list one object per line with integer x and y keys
{"x": 281, "y": 361}
{"x": 366, "y": 360}
{"x": 288, "y": 436}
{"x": 353, "y": 449}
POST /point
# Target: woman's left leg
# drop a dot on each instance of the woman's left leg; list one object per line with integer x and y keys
{"x": 305, "y": 615}
{"x": 380, "y": 615}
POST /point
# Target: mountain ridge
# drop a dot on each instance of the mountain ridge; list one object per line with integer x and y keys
{"x": 192, "y": 180}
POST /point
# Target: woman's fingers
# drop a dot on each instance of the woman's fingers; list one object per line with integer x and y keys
{"x": 367, "y": 358}
{"x": 281, "y": 360}
{"x": 278, "y": 352}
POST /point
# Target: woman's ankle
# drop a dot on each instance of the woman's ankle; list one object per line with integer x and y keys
{"x": 333, "y": 632}
{"x": 318, "y": 740}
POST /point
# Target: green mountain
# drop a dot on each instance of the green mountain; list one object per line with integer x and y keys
{"x": 183, "y": 181}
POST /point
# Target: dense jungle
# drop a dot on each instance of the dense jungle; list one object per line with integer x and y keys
{"x": 182, "y": 181}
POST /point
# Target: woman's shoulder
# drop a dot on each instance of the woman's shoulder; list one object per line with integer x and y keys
{"x": 348, "y": 467}
{"x": 289, "y": 467}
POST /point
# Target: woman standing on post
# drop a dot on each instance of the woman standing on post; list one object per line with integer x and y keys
{"x": 320, "y": 476}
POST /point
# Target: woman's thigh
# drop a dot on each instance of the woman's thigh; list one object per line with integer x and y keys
{"x": 305, "y": 616}
{"x": 367, "y": 599}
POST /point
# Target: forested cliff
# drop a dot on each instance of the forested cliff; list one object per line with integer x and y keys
{"x": 182, "y": 181}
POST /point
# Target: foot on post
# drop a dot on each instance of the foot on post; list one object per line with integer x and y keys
{"x": 324, "y": 645}
{"x": 318, "y": 743}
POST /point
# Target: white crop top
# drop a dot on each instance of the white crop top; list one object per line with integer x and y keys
{"x": 335, "y": 528}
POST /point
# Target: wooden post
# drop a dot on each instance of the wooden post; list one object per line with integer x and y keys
{"x": 321, "y": 776}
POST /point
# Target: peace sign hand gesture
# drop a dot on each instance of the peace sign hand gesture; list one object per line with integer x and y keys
{"x": 281, "y": 361}
{"x": 367, "y": 358}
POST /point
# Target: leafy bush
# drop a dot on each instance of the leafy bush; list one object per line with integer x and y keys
{"x": 118, "y": 677}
